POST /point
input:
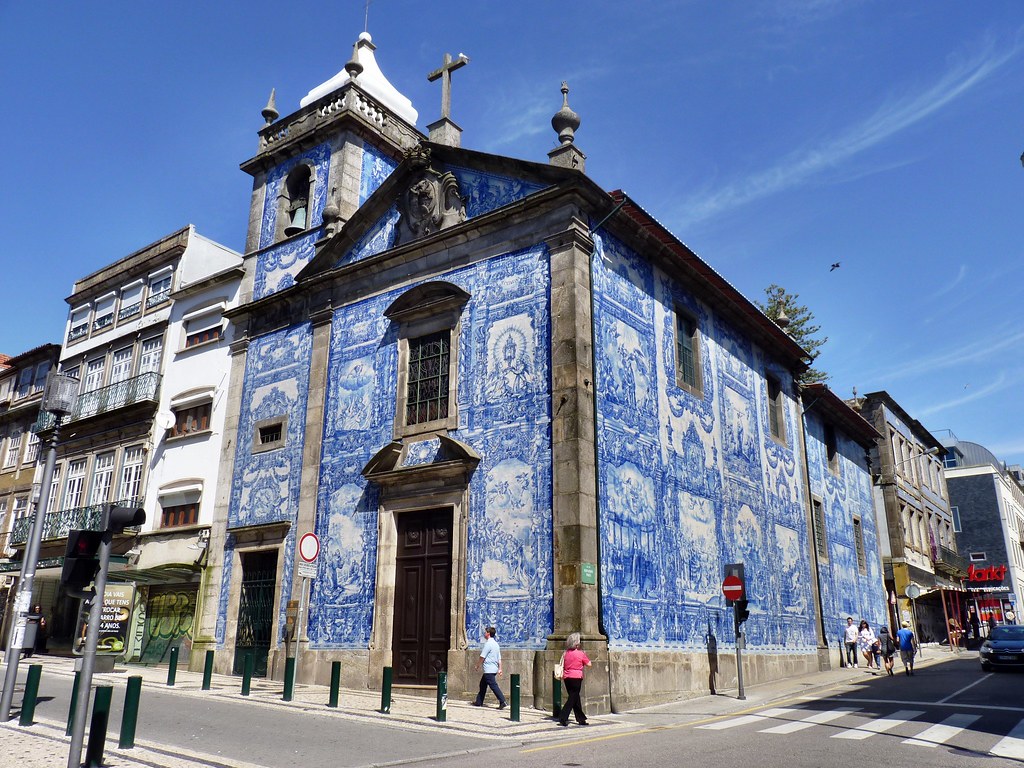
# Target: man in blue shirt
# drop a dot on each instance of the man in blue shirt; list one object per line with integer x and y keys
{"x": 490, "y": 663}
{"x": 908, "y": 647}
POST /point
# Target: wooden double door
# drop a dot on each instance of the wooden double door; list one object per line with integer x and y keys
{"x": 423, "y": 586}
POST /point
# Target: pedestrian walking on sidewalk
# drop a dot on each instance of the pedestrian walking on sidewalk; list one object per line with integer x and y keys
{"x": 866, "y": 642}
{"x": 850, "y": 640}
{"x": 887, "y": 649}
{"x": 573, "y": 662}
{"x": 908, "y": 647}
{"x": 490, "y": 663}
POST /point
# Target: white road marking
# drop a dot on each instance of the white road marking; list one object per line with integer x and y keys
{"x": 942, "y": 732}
{"x": 966, "y": 687}
{"x": 1012, "y": 745}
{"x": 816, "y": 719}
{"x": 746, "y": 719}
{"x": 879, "y": 725}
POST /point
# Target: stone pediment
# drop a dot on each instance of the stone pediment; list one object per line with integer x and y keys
{"x": 435, "y": 188}
{"x": 435, "y": 458}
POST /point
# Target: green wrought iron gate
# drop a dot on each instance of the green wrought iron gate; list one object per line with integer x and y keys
{"x": 256, "y": 610}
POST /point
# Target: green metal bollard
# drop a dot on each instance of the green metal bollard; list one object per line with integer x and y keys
{"x": 208, "y": 670}
{"x": 385, "y": 691}
{"x": 130, "y": 715}
{"x": 289, "y": 678}
{"x": 442, "y": 697}
{"x": 98, "y": 727}
{"x": 28, "y": 704}
{"x": 335, "y": 683}
{"x": 247, "y": 666}
{"x": 172, "y": 666}
{"x": 514, "y": 693}
{"x": 74, "y": 704}
{"x": 556, "y": 697}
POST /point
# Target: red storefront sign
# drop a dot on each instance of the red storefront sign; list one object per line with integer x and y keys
{"x": 993, "y": 573}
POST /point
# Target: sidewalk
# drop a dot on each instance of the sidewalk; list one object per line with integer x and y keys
{"x": 44, "y": 744}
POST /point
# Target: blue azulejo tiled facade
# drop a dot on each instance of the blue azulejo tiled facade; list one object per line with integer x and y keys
{"x": 503, "y": 383}
{"x": 690, "y": 482}
{"x": 850, "y": 570}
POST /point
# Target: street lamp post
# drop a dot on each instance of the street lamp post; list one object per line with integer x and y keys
{"x": 59, "y": 399}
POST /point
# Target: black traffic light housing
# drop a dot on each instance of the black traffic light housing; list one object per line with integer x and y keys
{"x": 119, "y": 518}
{"x": 741, "y": 613}
{"x": 81, "y": 561}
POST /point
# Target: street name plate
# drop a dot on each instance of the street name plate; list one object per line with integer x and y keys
{"x": 306, "y": 570}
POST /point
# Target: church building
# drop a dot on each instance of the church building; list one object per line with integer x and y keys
{"x": 498, "y": 394}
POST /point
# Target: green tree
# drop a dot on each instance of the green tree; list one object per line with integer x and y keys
{"x": 801, "y": 326}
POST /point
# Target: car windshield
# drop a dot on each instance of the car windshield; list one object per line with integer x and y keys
{"x": 1007, "y": 633}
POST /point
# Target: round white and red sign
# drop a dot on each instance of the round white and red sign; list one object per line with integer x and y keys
{"x": 732, "y": 587}
{"x": 309, "y": 547}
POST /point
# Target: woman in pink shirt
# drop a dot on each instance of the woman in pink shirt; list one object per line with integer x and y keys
{"x": 573, "y": 662}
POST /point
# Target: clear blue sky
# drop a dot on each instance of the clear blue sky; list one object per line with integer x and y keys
{"x": 774, "y": 138}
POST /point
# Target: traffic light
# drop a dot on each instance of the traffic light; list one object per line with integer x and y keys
{"x": 81, "y": 561}
{"x": 120, "y": 518}
{"x": 742, "y": 614}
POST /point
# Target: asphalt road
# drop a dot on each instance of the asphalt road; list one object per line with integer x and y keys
{"x": 951, "y": 714}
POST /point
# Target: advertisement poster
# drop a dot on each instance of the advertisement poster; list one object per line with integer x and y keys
{"x": 115, "y": 621}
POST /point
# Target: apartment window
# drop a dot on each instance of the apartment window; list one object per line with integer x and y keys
{"x": 20, "y": 509}
{"x": 51, "y": 501}
{"x": 688, "y": 370}
{"x": 152, "y": 349}
{"x": 94, "y": 374}
{"x": 831, "y": 449}
{"x": 130, "y": 487}
{"x": 79, "y": 324}
{"x": 159, "y": 289}
{"x": 179, "y": 514}
{"x": 103, "y": 317}
{"x": 858, "y": 543}
{"x": 102, "y": 478}
{"x": 25, "y": 382}
{"x": 204, "y": 329}
{"x": 978, "y": 557}
{"x": 776, "y": 409}
{"x": 73, "y": 487}
{"x": 121, "y": 365}
{"x": 189, "y": 421}
{"x": 818, "y": 521}
{"x": 269, "y": 434}
{"x": 32, "y": 448}
{"x": 13, "y": 448}
{"x": 955, "y": 512}
{"x": 131, "y": 300}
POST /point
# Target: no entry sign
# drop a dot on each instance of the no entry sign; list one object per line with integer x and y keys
{"x": 309, "y": 547}
{"x": 732, "y": 587}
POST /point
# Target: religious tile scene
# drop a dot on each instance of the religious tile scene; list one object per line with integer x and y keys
{"x": 444, "y": 390}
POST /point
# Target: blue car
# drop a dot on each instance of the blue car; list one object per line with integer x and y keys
{"x": 1003, "y": 648}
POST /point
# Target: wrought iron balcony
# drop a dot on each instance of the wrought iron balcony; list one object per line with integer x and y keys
{"x": 57, "y": 524}
{"x": 139, "y": 389}
{"x": 949, "y": 561}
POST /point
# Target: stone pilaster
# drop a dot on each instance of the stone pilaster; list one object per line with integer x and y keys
{"x": 573, "y": 447}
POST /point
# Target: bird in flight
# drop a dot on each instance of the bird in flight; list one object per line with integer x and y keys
{"x": 835, "y": 266}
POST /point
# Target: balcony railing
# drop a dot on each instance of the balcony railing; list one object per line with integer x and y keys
{"x": 57, "y": 524}
{"x": 139, "y": 389}
{"x": 949, "y": 561}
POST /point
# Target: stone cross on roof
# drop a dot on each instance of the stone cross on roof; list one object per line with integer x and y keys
{"x": 445, "y": 72}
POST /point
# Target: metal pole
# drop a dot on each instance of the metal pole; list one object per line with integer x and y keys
{"x": 441, "y": 711}
{"x": 28, "y": 704}
{"x": 247, "y": 666}
{"x": 98, "y": 727}
{"x": 172, "y": 666}
{"x": 130, "y": 714}
{"x": 92, "y": 637}
{"x": 289, "y": 678}
{"x": 739, "y": 653}
{"x": 208, "y": 671}
{"x": 385, "y": 691}
{"x": 23, "y": 600}
{"x": 514, "y": 694}
{"x": 335, "y": 684}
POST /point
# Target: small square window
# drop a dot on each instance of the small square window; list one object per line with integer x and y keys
{"x": 269, "y": 434}
{"x": 429, "y": 361}
{"x": 179, "y": 514}
{"x": 858, "y": 543}
{"x": 977, "y": 557}
{"x": 818, "y": 523}
{"x": 189, "y": 421}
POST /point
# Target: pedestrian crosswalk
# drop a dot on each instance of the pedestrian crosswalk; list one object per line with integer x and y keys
{"x": 853, "y": 723}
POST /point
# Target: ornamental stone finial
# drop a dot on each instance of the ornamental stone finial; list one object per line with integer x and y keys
{"x": 565, "y": 122}
{"x": 352, "y": 66}
{"x": 270, "y": 113}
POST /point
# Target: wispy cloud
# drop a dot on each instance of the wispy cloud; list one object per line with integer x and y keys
{"x": 951, "y": 285}
{"x": 971, "y": 395}
{"x": 892, "y": 117}
{"x": 956, "y": 356}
